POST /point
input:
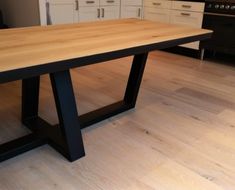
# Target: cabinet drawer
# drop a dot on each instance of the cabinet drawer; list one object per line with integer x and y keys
{"x": 159, "y": 15}
{"x": 109, "y": 2}
{"x": 161, "y": 4}
{"x": 131, "y": 2}
{"x": 188, "y": 6}
{"x": 186, "y": 18}
{"x": 88, "y": 2}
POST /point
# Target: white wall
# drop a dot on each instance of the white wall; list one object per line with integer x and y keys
{"x": 20, "y": 13}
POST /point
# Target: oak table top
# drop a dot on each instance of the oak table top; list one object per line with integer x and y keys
{"x": 22, "y": 48}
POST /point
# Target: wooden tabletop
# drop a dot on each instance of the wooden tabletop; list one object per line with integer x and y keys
{"x": 32, "y": 46}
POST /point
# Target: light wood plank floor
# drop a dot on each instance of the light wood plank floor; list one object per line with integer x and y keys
{"x": 181, "y": 136}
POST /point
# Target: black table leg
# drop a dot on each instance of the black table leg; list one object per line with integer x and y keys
{"x": 135, "y": 78}
{"x": 30, "y": 98}
{"x": 130, "y": 96}
{"x": 67, "y": 113}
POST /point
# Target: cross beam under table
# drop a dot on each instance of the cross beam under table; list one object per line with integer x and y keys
{"x": 66, "y": 137}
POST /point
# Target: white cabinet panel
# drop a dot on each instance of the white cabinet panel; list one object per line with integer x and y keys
{"x": 131, "y": 12}
{"x": 159, "y": 15}
{"x": 110, "y": 12}
{"x": 89, "y": 14}
{"x": 187, "y": 18}
{"x": 62, "y": 11}
{"x": 131, "y": 2}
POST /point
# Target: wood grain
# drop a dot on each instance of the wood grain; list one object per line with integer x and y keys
{"x": 26, "y": 47}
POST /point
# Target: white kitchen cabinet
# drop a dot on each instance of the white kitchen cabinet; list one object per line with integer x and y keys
{"x": 176, "y": 12}
{"x": 158, "y": 15}
{"x": 186, "y": 18}
{"x": 61, "y": 11}
{"x": 131, "y": 12}
{"x": 188, "y": 14}
{"x": 87, "y": 14}
{"x": 132, "y": 9}
{"x": 94, "y": 10}
{"x": 109, "y": 12}
{"x": 157, "y": 10}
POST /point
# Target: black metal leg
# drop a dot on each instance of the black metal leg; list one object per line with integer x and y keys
{"x": 135, "y": 78}
{"x": 130, "y": 97}
{"x": 67, "y": 113}
{"x": 66, "y": 137}
{"x": 30, "y": 98}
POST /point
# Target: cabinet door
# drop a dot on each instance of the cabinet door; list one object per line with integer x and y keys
{"x": 159, "y": 15}
{"x": 110, "y": 12}
{"x": 131, "y": 12}
{"x": 89, "y": 14}
{"x": 62, "y": 11}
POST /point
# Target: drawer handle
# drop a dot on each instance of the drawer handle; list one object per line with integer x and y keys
{"x": 90, "y": 2}
{"x": 110, "y": 1}
{"x": 139, "y": 12}
{"x": 76, "y": 5}
{"x": 158, "y": 4}
{"x": 185, "y": 14}
{"x": 102, "y": 12}
{"x": 186, "y": 6}
{"x": 98, "y": 13}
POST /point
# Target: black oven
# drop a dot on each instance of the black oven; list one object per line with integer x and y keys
{"x": 219, "y": 16}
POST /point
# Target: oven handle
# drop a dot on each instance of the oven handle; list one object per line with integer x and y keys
{"x": 218, "y": 14}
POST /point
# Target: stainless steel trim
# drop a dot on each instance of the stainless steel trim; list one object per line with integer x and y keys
{"x": 219, "y": 14}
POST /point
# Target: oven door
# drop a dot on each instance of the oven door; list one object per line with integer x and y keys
{"x": 223, "y": 38}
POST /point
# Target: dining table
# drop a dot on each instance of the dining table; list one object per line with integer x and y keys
{"x": 27, "y": 53}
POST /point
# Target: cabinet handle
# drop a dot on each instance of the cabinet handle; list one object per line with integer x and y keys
{"x": 48, "y": 14}
{"x": 185, "y": 14}
{"x": 103, "y": 12}
{"x": 139, "y": 12}
{"x": 76, "y": 5}
{"x": 110, "y": 1}
{"x": 186, "y": 6}
{"x": 98, "y": 13}
{"x": 158, "y": 4}
{"x": 90, "y": 2}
